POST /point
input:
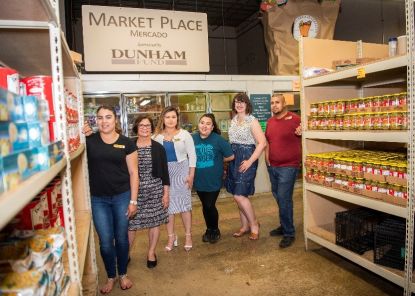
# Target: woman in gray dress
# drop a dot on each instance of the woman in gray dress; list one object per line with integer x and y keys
{"x": 153, "y": 195}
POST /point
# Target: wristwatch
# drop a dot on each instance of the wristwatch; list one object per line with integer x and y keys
{"x": 133, "y": 202}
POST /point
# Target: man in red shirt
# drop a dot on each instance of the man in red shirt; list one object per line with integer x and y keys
{"x": 283, "y": 158}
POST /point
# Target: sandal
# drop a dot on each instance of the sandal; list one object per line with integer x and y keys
{"x": 253, "y": 235}
{"x": 169, "y": 246}
{"x": 190, "y": 246}
{"x": 125, "y": 282}
{"x": 109, "y": 285}
{"x": 241, "y": 232}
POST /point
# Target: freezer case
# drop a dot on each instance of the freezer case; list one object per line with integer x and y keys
{"x": 191, "y": 107}
{"x": 150, "y": 104}
{"x": 221, "y": 107}
{"x": 93, "y": 101}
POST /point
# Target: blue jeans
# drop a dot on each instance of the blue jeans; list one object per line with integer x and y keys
{"x": 282, "y": 184}
{"x": 111, "y": 224}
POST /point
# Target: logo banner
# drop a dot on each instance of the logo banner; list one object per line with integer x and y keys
{"x": 144, "y": 40}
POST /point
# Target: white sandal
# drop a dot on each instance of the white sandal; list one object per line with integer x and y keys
{"x": 188, "y": 247}
{"x": 175, "y": 244}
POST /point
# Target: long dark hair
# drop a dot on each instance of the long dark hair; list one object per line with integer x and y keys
{"x": 118, "y": 129}
{"x": 216, "y": 129}
{"x": 242, "y": 97}
{"x": 160, "y": 124}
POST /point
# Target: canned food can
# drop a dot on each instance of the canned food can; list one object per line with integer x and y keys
{"x": 9, "y": 79}
{"x": 41, "y": 86}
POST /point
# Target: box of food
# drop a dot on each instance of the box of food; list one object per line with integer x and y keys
{"x": 56, "y": 152}
{"x": 11, "y": 106}
{"x": 16, "y": 167}
{"x": 30, "y": 104}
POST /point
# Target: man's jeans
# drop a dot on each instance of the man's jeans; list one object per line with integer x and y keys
{"x": 111, "y": 224}
{"x": 282, "y": 182}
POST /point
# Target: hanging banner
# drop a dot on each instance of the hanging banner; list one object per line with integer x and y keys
{"x": 144, "y": 40}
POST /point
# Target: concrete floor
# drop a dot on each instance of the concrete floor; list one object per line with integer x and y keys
{"x": 243, "y": 267}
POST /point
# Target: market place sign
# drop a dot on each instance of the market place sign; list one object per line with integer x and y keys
{"x": 144, "y": 40}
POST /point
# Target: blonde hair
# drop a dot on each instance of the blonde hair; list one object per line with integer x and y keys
{"x": 160, "y": 124}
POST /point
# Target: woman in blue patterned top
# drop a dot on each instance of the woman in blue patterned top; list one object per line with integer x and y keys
{"x": 211, "y": 151}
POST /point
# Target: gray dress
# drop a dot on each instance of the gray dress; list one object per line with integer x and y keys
{"x": 150, "y": 211}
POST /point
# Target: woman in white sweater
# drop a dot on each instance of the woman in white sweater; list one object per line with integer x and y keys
{"x": 181, "y": 157}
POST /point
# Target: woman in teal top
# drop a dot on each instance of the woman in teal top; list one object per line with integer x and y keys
{"x": 211, "y": 151}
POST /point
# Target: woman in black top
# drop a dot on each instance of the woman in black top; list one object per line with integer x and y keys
{"x": 153, "y": 195}
{"x": 113, "y": 180}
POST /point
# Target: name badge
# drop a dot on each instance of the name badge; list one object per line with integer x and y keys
{"x": 288, "y": 118}
{"x": 176, "y": 139}
{"x": 119, "y": 146}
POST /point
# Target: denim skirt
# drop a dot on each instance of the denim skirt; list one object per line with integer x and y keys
{"x": 238, "y": 183}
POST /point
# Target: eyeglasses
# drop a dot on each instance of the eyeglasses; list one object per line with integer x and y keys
{"x": 239, "y": 103}
{"x": 144, "y": 125}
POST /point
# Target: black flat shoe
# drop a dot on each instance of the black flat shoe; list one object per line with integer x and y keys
{"x": 152, "y": 264}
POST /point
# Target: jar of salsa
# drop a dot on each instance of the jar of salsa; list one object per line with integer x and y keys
{"x": 332, "y": 107}
{"x": 376, "y": 168}
{"x": 375, "y": 186}
{"x": 361, "y": 105}
{"x": 404, "y": 120}
{"x": 353, "y": 121}
{"x": 351, "y": 181}
{"x": 329, "y": 179}
{"x": 357, "y": 166}
{"x": 324, "y": 123}
{"x": 384, "y": 168}
{"x": 377, "y": 120}
{"x": 341, "y": 106}
{"x": 353, "y": 105}
{"x": 331, "y": 122}
{"x": 360, "y": 121}
{"x": 385, "y": 117}
{"x": 402, "y": 101}
{"x": 326, "y": 108}
{"x": 385, "y": 103}
{"x": 339, "y": 121}
{"x": 338, "y": 179}
{"x": 395, "y": 119}
{"x": 359, "y": 183}
{"x": 368, "y": 121}
{"x": 314, "y": 109}
{"x": 397, "y": 190}
{"x": 393, "y": 169}
{"x": 383, "y": 187}
{"x": 347, "y": 124}
{"x": 402, "y": 174}
{"x": 320, "y": 111}
{"x": 368, "y": 185}
{"x": 369, "y": 167}
{"x": 376, "y": 103}
{"x": 368, "y": 104}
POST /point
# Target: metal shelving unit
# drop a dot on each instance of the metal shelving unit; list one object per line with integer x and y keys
{"x": 33, "y": 44}
{"x": 386, "y": 75}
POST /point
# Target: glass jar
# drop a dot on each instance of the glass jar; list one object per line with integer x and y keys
{"x": 361, "y": 105}
{"x": 353, "y": 105}
{"x": 404, "y": 120}
{"x": 385, "y": 117}
{"x": 393, "y": 170}
{"x": 402, "y": 101}
{"x": 369, "y": 167}
{"x": 383, "y": 187}
{"x": 375, "y": 186}
{"x": 376, "y": 103}
{"x": 385, "y": 103}
{"x": 368, "y": 121}
{"x": 351, "y": 181}
{"x": 368, "y": 104}
{"x": 339, "y": 121}
{"x": 353, "y": 121}
{"x": 359, "y": 184}
{"x": 314, "y": 109}
{"x": 360, "y": 121}
{"x": 393, "y": 101}
{"x": 324, "y": 123}
{"x": 377, "y": 121}
{"x": 349, "y": 164}
{"x": 338, "y": 179}
{"x": 326, "y": 108}
{"x": 368, "y": 185}
{"x": 331, "y": 122}
{"x": 341, "y": 106}
{"x": 376, "y": 168}
{"x": 332, "y": 107}
{"x": 357, "y": 166}
{"x": 402, "y": 174}
{"x": 345, "y": 181}
{"x": 391, "y": 189}
{"x": 328, "y": 179}
{"x": 397, "y": 190}
{"x": 395, "y": 119}
{"x": 384, "y": 169}
{"x": 404, "y": 192}
{"x": 320, "y": 111}
{"x": 347, "y": 124}
{"x": 336, "y": 163}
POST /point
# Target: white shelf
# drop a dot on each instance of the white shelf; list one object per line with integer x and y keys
{"x": 83, "y": 229}
{"x": 28, "y": 10}
{"x": 378, "y": 136}
{"x": 378, "y": 269}
{"x": 31, "y": 40}
{"x": 358, "y": 200}
{"x": 147, "y": 112}
{"x": 11, "y": 202}
{"x": 77, "y": 152}
{"x": 351, "y": 73}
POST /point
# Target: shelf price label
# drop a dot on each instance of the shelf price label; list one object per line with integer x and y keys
{"x": 361, "y": 73}
{"x": 296, "y": 85}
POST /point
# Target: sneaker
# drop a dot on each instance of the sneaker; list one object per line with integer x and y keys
{"x": 206, "y": 236}
{"x": 276, "y": 232}
{"x": 286, "y": 241}
{"x": 214, "y": 236}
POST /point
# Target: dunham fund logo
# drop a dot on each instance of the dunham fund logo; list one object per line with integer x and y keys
{"x": 148, "y": 57}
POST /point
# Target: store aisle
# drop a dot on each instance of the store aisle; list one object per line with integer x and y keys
{"x": 243, "y": 267}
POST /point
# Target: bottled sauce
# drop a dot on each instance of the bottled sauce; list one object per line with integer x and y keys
{"x": 314, "y": 109}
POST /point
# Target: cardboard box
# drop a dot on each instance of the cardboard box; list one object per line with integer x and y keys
{"x": 16, "y": 168}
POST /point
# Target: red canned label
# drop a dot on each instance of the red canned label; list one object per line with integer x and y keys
{"x": 41, "y": 86}
{"x": 9, "y": 79}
